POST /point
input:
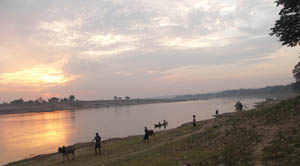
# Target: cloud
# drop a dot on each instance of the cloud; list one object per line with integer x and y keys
{"x": 139, "y": 43}
{"x": 272, "y": 66}
{"x": 214, "y": 40}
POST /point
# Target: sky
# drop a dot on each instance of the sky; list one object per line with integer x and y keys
{"x": 98, "y": 49}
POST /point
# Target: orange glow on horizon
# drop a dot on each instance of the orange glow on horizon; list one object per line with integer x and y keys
{"x": 41, "y": 76}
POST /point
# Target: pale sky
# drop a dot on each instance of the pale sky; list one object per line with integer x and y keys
{"x": 98, "y": 49}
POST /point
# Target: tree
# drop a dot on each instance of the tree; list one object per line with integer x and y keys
{"x": 29, "y": 102}
{"x": 116, "y": 97}
{"x": 53, "y": 100}
{"x": 287, "y": 28}
{"x": 18, "y": 101}
{"x": 127, "y": 97}
{"x": 296, "y": 72}
{"x": 71, "y": 98}
{"x": 40, "y": 100}
{"x": 64, "y": 100}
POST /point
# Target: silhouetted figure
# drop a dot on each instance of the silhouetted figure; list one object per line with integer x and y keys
{"x": 158, "y": 125}
{"x": 146, "y": 136}
{"x": 97, "y": 144}
{"x": 217, "y": 114}
{"x": 165, "y": 124}
{"x": 194, "y": 120}
{"x": 238, "y": 106}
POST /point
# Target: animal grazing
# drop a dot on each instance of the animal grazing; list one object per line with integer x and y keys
{"x": 147, "y": 134}
{"x": 151, "y": 132}
{"x": 65, "y": 151}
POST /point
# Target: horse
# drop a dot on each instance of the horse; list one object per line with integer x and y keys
{"x": 65, "y": 151}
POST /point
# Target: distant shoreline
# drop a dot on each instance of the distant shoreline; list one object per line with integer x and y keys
{"x": 50, "y": 107}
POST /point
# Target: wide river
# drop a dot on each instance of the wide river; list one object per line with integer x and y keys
{"x": 29, "y": 134}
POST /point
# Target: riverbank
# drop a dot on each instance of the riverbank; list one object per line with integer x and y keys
{"x": 268, "y": 135}
{"x": 48, "y": 107}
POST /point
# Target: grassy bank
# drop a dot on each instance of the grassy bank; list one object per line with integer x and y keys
{"x": 268, "y": 135}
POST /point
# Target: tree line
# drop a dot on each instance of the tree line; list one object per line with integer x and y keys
{"x": 71, "y": 98}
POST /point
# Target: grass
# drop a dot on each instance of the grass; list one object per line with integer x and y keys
{"x": 284, "y": 149}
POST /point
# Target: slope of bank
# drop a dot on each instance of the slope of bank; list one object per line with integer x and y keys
{"x": 268, "y": 135}
{"x": 47, "y": 107}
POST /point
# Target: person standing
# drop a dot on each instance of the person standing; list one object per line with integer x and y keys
{"x": 97, "y": 144}
{"x": 165, "y": 124}
{"x": 146, "y": 136}
{"x": 217, "y": 114}
{"x": 194, "y": 121}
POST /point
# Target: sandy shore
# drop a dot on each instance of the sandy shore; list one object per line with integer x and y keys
{"x": 48, "y": 107}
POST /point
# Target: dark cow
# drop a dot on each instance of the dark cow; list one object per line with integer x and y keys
{"x": 151, "y": 132}
{"x": 65, "y": 151}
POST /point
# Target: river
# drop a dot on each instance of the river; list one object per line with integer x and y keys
{"x": 29, "y": 134}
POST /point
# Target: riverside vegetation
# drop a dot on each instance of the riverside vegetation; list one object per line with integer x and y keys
{"x": 267, "y": 135}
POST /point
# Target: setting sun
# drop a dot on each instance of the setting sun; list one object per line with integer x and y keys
{"x": 41, "y": 76}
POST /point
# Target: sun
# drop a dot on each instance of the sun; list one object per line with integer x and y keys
{"x": 41, "y": 76}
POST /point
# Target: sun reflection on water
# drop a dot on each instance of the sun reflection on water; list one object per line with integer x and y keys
{"x": 43, "y": 132}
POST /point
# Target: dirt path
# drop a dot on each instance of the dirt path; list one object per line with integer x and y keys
{"x": 267, "y": 136}
{"x": 202, "y": 129}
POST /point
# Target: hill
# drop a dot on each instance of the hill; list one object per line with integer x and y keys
{"x": 269, "y": 91}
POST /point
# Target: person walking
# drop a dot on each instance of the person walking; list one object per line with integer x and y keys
{"x": 97, "y": 144}
{"x": 194, "y": 121}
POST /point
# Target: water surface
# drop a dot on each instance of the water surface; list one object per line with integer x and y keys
{"x": 29, "y": 134}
